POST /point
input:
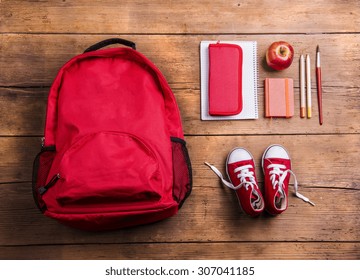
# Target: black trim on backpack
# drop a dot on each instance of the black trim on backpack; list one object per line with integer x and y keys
{"x": 179, "y": 140}
{"x": 110, "y": 41}
{"x": 48, "y": 148}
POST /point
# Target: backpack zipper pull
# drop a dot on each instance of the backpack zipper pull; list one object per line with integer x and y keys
{"x": 52, "y": 182}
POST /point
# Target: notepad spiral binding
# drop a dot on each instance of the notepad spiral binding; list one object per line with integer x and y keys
{"x": 256, "y": 79}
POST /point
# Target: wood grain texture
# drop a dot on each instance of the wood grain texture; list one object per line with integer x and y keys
{"x": 316, "y": 165}
{"x": 24, "y": 114}
{"x": 109, "y": 16}
{"x": 22, "y": 111}
{"x": 188, "y": 251}
{"x": 38, "y": 37}
{"x": 211, "y": 214}
{"x": 177, "y": 56}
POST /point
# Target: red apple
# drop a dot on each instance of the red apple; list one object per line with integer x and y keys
{"x": 279, "y": 55}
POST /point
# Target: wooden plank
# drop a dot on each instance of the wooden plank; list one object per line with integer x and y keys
{"x": 211, "y": 214}
{"x": 17, "y": 156}
{"x": 177, "y": 56}
{"x": 189, "y": 251}
{"x": 130, "y": 16}
{"x": 23, "y": 113}
{"x": 318, "y": 160}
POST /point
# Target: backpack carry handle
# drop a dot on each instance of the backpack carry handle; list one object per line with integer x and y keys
{"x": 111, "y": 41}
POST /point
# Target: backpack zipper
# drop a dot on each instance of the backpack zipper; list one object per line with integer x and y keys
{"x": 52, "y": 182}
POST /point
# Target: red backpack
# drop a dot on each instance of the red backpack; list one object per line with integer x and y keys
{"x": 114, "y": 153}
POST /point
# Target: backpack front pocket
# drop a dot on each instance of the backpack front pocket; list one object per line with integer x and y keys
{"x": 108, "y": 167}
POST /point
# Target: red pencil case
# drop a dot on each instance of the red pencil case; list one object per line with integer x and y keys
{"x": 225, "y": 79}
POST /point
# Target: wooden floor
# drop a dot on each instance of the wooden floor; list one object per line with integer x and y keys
{"x": 38, "y": 37}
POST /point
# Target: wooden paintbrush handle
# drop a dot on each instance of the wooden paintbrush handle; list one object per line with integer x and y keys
{"x": 319, "y": 93}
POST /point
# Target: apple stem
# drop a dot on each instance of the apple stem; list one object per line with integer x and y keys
{"x": 283, "y": 51}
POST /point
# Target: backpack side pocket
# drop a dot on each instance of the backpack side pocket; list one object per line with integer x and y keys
{"x": 41, "y": 168}
{"x": 182, "y": 172}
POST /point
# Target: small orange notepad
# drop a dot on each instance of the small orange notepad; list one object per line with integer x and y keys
{"x": 279, "y": 97}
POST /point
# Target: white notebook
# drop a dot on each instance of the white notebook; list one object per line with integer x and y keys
{"x": 249, "y": 81}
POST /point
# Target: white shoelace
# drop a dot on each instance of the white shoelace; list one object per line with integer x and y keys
{"x": 276, "y": 171}
{"x": 243, "y": 173}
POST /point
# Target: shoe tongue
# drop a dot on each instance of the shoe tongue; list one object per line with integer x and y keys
{"x": 255, "y": 200}
{"x": 279, "y": 199}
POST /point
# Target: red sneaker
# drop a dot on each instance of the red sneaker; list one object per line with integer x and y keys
{"x": 276, "y": 165}
{"x": 240, "y": 168}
